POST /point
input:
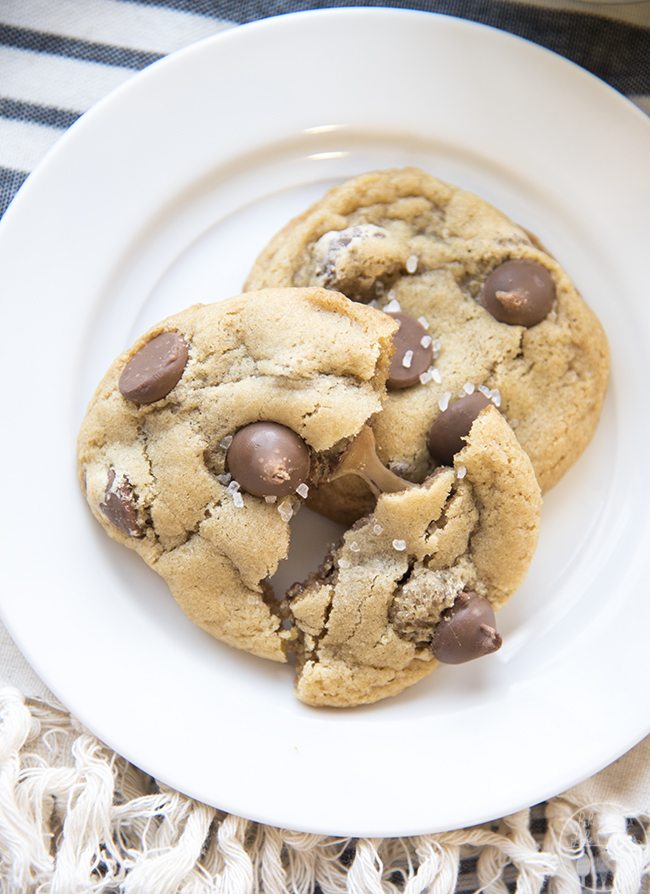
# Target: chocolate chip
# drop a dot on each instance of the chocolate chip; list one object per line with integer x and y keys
{"x": 446, "y": 434}
{"x": 155, "y": 369}
{"x": 520, "y": 293}
{"x": 465, "y": 631}
{"x": 119, "y": 505}
{"x": 411, "y": 357}
{"x": 268, "y": 459}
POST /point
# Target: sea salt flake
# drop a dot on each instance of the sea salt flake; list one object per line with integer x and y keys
{"x": 392, "y": 307}
{"x": 469, "y": 388}
{"x": 485, "y": 391}
{"x": 377, "y": 529}
{"x": 423, "y": 322}
{"x": 238, "y": 500}
{"x": 437, "y": 347}
{"x": 285, "y": 510}
{"x": 271, "y": 498}
{"x": 399, "y": 545}
{"x": 354, "y": 546}
{"x": 233, "y": 487}
{"x": 407, "y": 359}
{"x": 224, "y": 479}
{"x": 226, "y": 442}
{"x": 495, "y": 397}
{"x": 426, "y": 341}
{"x": 412, "y": 263}
{"x": 443, "y": 401}
{"x": 436, "y": 375}
{"x": 461, "y": 471}
{"x": 425, "y": 377}
{"x": 303, "y": 491}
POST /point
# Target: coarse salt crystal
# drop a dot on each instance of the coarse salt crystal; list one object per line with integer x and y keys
{"x": 303, "y": 491}
{"x": 436, "y": 375}
{"x": 233, "y": 487}
{"x": 399, "y": 545}
{"x": 377, "y": 529}
{"x": 392, "y": 307}
{"x": 224, "y": 479}
{"x": 423, "y": 322}
{"x": 285, "y": 511}
{"x": 437, "y": 346}
{"x": 270, "y": 498}
{"x": 354, "y": 546}
{"x": 469, "y": 388}
{"x": 426, "y": 341}
{"x": 407, "y": 359}
{"x": 461, "y": 471}
{"x": 485, "y": 391}
{"x": 443, "y": 401}
{"x": 425, "y": 377}
{"x": 495, "y": 397}
{"x": 226, "y": 442}
{"x": 411, "y": 263}
{"x": 238, "y": 500}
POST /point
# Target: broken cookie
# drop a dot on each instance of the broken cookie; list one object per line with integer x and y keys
{"x": 202, "y": 439}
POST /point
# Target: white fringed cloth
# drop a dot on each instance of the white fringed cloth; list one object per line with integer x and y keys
{"x": 76, "y": 818}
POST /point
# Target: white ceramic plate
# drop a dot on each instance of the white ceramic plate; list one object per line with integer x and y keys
{"x": 162, "y": 196}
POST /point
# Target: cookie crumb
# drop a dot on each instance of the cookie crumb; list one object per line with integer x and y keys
{"x": 285, "y": 510}
{"x": 461, "y": 471}
{"x": 399, "y": 545}
{"x": 407, "y": 359}
{"x": 392, "y": 307}
{"x": 344, "y": 563}
{"x": 303, "y": 491}
{"x": 443, "y": 401}
{"x": 412, "y": 263}
{"x": 226, "y": 442}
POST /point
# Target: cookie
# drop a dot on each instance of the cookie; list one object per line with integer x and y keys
{"x": 270, "y": 387}
{"x": 481, "y": 307}
{"x": 417, "y": 580}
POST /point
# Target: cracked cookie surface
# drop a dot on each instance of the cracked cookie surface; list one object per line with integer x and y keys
{"x": 153, "y": 468}
{"x": 406, "y": 239}
{"x": 366, "y": 620}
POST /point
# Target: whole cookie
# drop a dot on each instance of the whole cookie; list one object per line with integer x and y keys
{"x": 418, "y": 579}
{"x": 270, "y": 388}
{"x": 488, "y": 311}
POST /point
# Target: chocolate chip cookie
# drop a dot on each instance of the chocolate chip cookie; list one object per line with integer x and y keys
{"x": 417, "y": 580}
{"x": 482, "y": 309}
{"x": 204, "y": 437}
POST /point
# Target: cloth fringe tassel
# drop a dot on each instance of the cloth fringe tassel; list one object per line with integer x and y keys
{"x": 75, "y": 818}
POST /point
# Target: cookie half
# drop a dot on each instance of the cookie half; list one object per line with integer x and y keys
{"x": 418, "y": 578}
{"x": 484, "y": 308}
{"x": 153, "y": 447}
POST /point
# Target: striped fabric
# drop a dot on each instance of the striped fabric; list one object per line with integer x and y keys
{"x": 58, "y": 57}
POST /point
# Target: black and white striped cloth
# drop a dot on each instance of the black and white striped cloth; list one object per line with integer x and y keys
{"x": 58, "y": 57}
